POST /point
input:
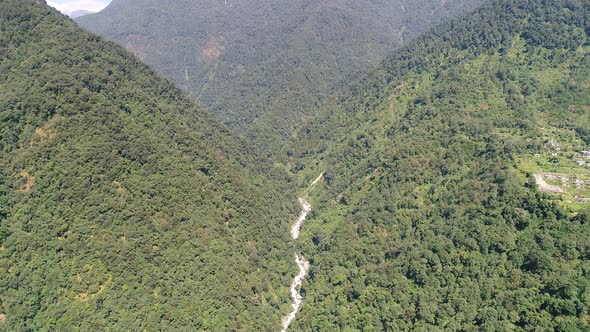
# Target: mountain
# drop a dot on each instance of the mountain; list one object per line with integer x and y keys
{"x": 263, "y": 67}
{"x": 456, "y": 185}
{"x": 123, "y": 205}
{"x": 454, "y": 195}
{"x": 80, "y": 13}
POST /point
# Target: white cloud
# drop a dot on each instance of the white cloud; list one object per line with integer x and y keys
{"x": 69, "y": 6}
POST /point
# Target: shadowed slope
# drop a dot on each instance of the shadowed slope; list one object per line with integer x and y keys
{"x": 123, "y": 205}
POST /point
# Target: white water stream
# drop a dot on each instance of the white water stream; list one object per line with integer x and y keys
{"x": 300, "y": 260}
{"x": 305, "y": 209}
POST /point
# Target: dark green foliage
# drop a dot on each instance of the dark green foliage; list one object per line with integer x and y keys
{"x": 264, "y": 66}
{"x": 123, "y": 206}
{"x": 425, "y": 220}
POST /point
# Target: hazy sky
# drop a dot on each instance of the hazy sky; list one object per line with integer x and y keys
{"x": 68, "y": 6}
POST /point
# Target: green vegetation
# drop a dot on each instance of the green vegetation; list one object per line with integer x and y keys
{"x": 123, "y": 205}
{"x": 263, "y": 67}
{"x": 428, "y": 217}
{"x": 564, "y": 163}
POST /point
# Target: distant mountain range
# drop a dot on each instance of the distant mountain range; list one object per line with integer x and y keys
{"x": 264, "y": 67}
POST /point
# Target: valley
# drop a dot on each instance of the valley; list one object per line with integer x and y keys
{"x": 200, "y": 165}
{"x": 265, "y": 67}
{"x": 301, "y": 262}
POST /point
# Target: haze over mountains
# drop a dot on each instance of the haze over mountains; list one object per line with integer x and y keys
{"x": 454, "y": 192}
{"x": 80, "y": 13}
{"x": 77, "y": 8}
{"x": 263, "y": 67}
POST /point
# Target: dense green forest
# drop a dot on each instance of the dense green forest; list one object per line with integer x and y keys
{"x": 123, "y": 205}
{"x": 429, "y": 216}
{"x": 262, "y": 67}
{"x": 455, "y": 193}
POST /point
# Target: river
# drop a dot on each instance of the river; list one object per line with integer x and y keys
{"x": 302, "y": 263}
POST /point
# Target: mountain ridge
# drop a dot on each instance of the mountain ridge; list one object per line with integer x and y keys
{"x": 124, "y": 204}
{"x": 263, "y": 67}
{"x": 429, "y": 217}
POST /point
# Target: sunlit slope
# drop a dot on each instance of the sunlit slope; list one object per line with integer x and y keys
{"x": 429, "y": 217}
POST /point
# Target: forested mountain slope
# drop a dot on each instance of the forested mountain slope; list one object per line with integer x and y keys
{"x": 429, "y": 217}
{"x": 123, "y": 205}
{"x": 263, "y": 66}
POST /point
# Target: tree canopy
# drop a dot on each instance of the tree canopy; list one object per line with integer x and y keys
{"x": 429, "y": 217}
{"x": 123, "y": 205}
{"x": 262, "y": 67}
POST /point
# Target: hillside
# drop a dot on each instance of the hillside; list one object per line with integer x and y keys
{"x": 262, "y": 67}
{"x": 123, "y": 205}
{"x": 430, "y": 215}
